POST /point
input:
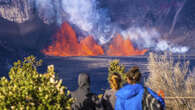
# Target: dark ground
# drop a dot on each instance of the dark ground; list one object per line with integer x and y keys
{"x": 68, "y": 68}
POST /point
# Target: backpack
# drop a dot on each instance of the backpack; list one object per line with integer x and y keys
{"x": 151, "y": 101}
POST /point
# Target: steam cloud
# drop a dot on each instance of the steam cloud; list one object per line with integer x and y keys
{"x": 151, "y": 38}
{"x": 86, "y": 15}
{"x": 95, "y": 21}
{"x": 82, "y": 13}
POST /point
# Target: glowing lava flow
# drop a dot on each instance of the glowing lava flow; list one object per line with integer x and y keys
{"x": 121, "y": 47}
{"x": 66, "y": 44}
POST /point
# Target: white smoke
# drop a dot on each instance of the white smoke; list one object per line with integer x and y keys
{"x": 144, "y": 38}
{"x": 82, "y": 13}
{"x": 165, "y": 45}
{"x": 94, "y": 21}
{"x": 151, "y": 38}
{"x": 86, "y": 15}
{"x": 46, "y": 10}
{"x": 50, "y": 11}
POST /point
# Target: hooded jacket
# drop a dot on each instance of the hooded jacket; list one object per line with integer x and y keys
{"x": 83, "y": 98}
{"x": 129, "y": 97}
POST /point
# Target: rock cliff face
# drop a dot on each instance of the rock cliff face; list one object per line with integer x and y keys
{"x": 21, "y": 26}
{"x": 22, "y": 31}
{"x": 17, "y": 11}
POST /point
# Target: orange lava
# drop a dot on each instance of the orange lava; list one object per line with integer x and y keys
{"x": 66, "y": 44}
{"x": 122, "y": 47}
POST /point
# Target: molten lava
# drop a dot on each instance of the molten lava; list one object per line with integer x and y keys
{"x": 121, "y": 47}
{"x": 66, "y": 44}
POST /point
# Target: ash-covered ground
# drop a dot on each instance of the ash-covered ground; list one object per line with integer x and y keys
{"x": 68, "y": 68}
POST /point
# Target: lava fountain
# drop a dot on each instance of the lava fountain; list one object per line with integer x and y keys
{"x": 66, "y": 44}
{"x": 122, "y": 47}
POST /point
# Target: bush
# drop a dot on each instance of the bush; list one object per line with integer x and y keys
{"x": 174, "y": 78}
{"x": 27, "y": 89}
{"x": 115, "y": 67}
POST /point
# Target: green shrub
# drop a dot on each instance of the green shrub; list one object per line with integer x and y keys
{"x": 28, "y": 89}
{"x": 115, "y": 67}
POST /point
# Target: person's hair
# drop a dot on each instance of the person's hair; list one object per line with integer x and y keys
{"x": 134, "y": 74}
{"x": 115, "y": 81}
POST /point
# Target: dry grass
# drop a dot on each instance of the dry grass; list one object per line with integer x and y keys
{"x": 174, "y": 78}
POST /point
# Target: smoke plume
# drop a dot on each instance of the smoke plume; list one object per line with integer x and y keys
{"x": 97, "y": 22}
{"x": 151, "y": 38}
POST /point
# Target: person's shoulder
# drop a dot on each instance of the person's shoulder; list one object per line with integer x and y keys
{"x": 154, "y": 94}
{"x": 109, "y": 92}
{"x": 132, "y": 87}
{"x": 74, "y": 93}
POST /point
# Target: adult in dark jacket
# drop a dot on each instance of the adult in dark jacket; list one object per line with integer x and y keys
{"x": 109, "y": 98}
{"x": 130, "y": 97}
{"x": 83, "y": 98}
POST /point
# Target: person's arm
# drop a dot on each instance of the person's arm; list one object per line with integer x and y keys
{"x": 104, "y": 100}
{"x": 159, "y": 98}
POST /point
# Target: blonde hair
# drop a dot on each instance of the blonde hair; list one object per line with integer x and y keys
{"x": 115, "y": 81}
